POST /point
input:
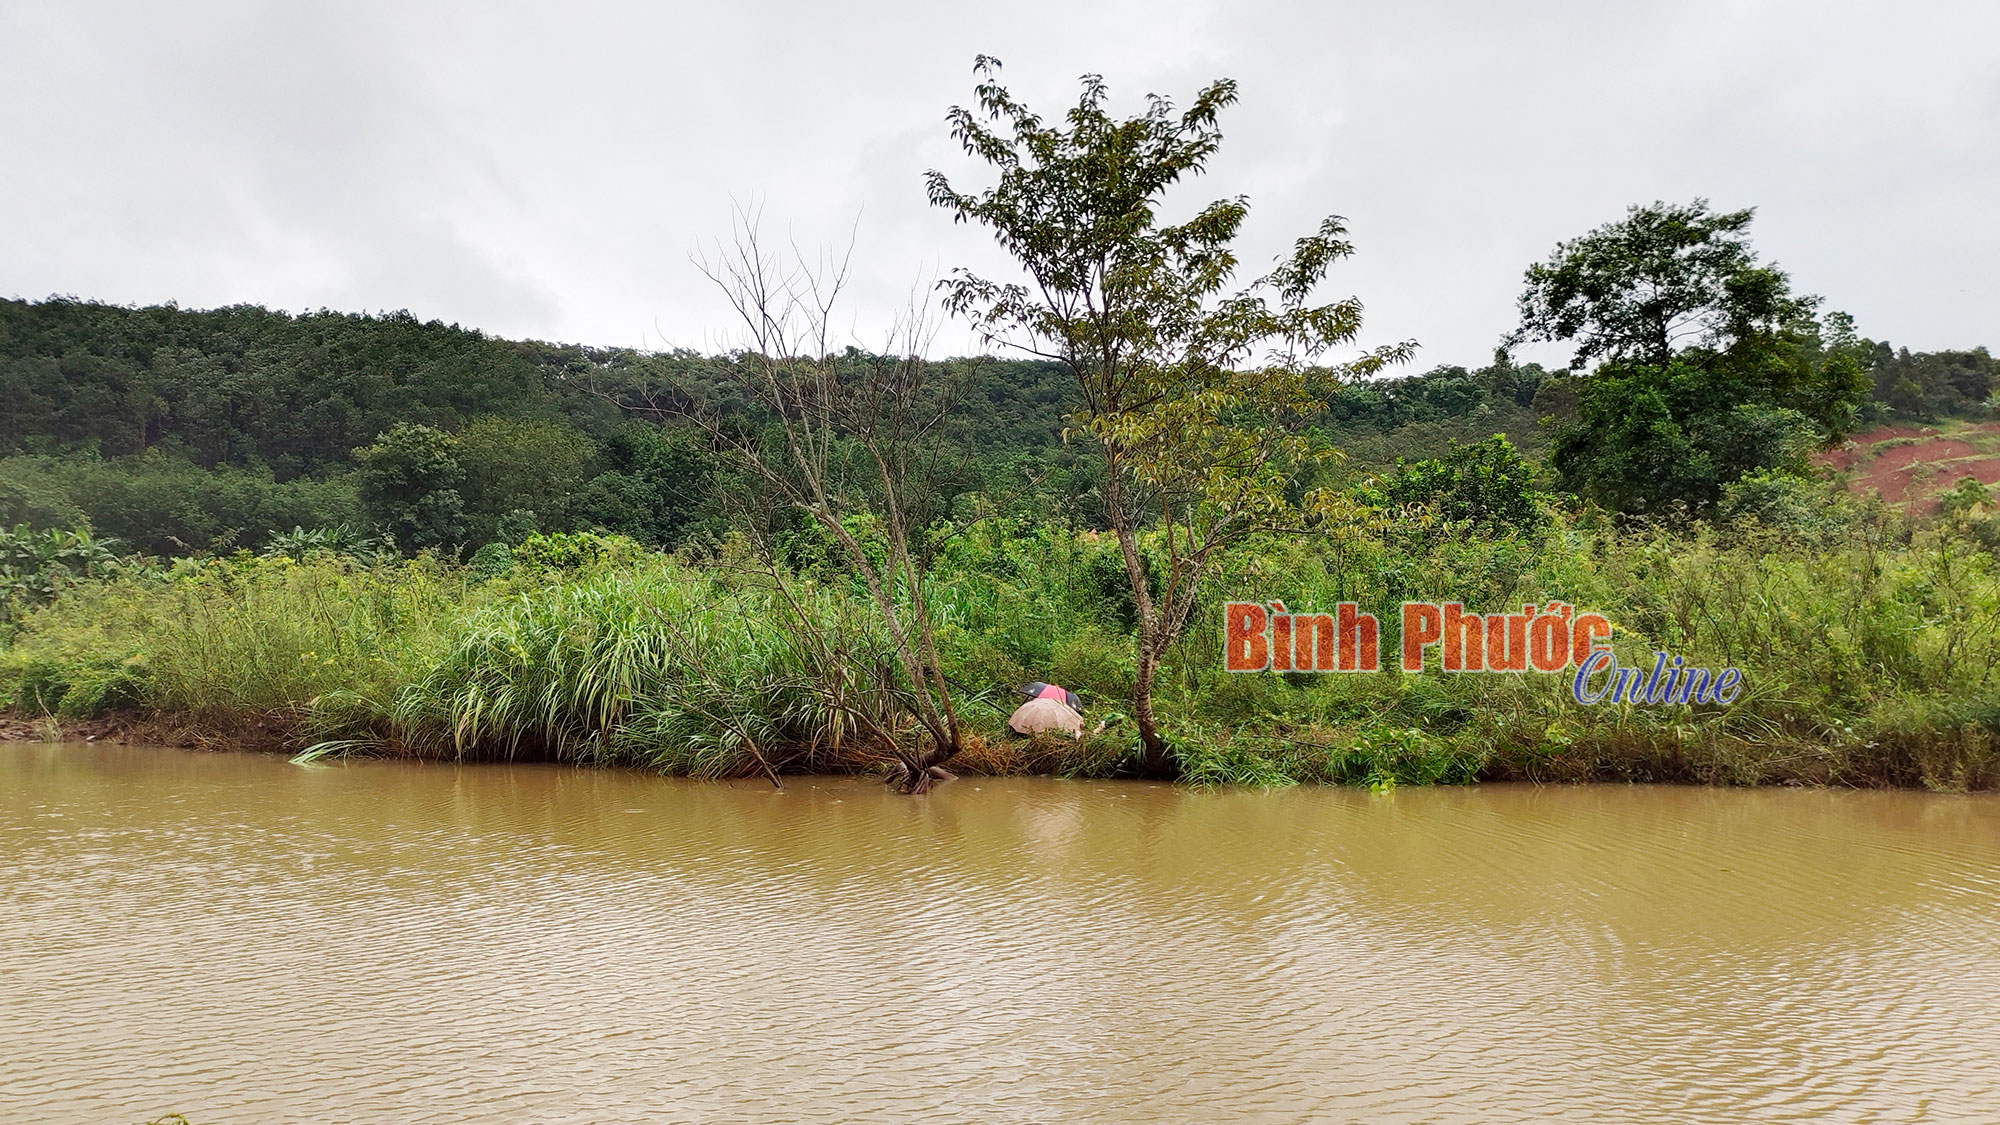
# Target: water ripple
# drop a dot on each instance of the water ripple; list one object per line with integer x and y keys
{"x": 245, "y": 941}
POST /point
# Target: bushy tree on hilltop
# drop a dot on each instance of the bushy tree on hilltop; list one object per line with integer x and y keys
{"x": 1708, "y": 365}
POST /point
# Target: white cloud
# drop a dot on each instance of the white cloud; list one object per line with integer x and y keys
{"x": 545, "y": 170}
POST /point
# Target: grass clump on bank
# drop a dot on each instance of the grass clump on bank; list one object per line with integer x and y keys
{"x": 641, "y": 664}
{"x": 230, "y": 643}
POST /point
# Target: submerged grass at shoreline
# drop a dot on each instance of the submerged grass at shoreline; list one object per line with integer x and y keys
{"x": 1869, "y": 661}
{"x": 1961, "y": 761}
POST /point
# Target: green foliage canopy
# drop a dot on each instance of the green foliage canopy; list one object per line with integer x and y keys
{"x": 410, "y": 479}
{"x": 1487, "y": 486}
{"x": 1664, "y": 277}
{"x": 1711, "y": 367}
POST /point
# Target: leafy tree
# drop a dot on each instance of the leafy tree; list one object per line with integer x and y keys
{"x": 30, "y": 498}
{"x": 410, "y": 479}
{"x": 1798, "y": 507}
{"x": 163, "y": 504}
{"x": 1649, "y": 442}
{"x": 1933, "y": 385}
{"x": 526, "y": 466}
{"x": 1665, "y": 277}
{"x": 660, "y": 488}
{"x": 244, "y": 385}
{"x": 1427, "y": 416}
{"x": 1195, "y": 391}
{"x": 1711, "y": 366}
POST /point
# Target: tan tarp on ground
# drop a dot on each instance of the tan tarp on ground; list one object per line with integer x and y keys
{"x": 1038, "y": 716}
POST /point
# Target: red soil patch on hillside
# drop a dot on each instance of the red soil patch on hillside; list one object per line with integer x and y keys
{"x": 1935, "y": 449}
{"x": 1923, "y": 463}
{"x": 1987, "y": 470}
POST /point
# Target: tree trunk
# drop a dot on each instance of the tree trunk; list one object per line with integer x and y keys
{"x": 1154, "y": 761}
{"x": 916, "y": 772}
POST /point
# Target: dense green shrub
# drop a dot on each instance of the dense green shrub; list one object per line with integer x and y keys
{"x": 1485, "y": 487}
{"x": 574, "y": 551}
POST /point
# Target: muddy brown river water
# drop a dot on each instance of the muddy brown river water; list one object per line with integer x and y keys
{"x": 246, "y": 941}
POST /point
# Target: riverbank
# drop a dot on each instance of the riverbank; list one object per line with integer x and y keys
{"x": 1964, "y": 760}
{"x": 1867, "y": 653}
{"x": 256, "y": 734}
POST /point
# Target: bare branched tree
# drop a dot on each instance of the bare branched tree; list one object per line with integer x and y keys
{"x": 856, "y": 441}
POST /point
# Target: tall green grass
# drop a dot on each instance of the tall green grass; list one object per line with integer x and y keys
{"x": 219, "y": 640}
{"x": 1869, "y": 658}
{"x": 652, "y": 665}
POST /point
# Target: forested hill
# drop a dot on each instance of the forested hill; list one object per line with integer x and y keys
{"x": 244, "y": 385}
{"x": 177, "y": 429}
{"x": 300, "y": 393}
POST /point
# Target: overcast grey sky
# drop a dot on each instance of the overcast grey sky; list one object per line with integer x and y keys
{"x": 545, "y": 170}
